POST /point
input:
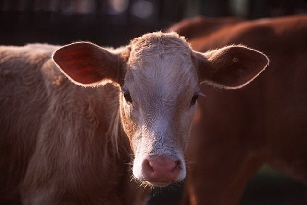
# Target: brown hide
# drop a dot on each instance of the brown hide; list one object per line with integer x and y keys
{"x": 193, "y": 29}
{"x": 236, "y": 131}
{"x": 56, "y": 143}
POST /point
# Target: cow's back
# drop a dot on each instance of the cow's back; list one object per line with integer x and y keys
{"x": 23, "y": 101}
{"x": 203, "y": 27}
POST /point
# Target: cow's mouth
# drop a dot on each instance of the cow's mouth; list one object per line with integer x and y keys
{"x": 159, "y": 184}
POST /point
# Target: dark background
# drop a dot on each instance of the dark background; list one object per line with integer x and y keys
{"x": 115, "y": 22}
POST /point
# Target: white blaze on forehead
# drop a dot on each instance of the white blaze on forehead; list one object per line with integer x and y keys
{"x": 161, "y": 80}
{"x": 161, "y": 66}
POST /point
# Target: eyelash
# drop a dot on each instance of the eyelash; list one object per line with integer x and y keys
{"x": 194, "y": 99}
{"x": 127, "y": 96}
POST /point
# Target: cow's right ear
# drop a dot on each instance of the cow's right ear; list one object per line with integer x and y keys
{"x": 230, "y": 67}
{"x": 87, "y": 64}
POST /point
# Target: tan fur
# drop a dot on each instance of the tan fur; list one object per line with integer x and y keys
{"x": 43, "y": 149}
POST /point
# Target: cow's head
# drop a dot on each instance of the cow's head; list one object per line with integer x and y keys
{"x": 159, "y": 76}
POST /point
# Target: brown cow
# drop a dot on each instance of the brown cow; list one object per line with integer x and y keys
{"x": 67, "y": 144}
{"x": 235, "y": 132}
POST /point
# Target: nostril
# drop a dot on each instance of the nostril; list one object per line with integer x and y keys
{"x": 177, "y": 165}
{"x": 147, "y": 166}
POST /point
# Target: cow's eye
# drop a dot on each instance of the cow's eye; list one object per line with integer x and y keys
{"x": 127, "y": 96}
{"x": 194, "y": 99}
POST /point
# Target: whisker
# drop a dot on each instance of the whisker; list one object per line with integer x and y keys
{"x": 202, "y": 94}
{"x": 188, "y": 162}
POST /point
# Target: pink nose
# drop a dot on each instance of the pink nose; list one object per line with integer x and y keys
{"x": 161, "y": 169}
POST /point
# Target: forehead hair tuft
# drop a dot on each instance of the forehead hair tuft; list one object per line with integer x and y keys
{"x": 158, "y": 42}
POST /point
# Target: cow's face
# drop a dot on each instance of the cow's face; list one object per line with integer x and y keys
{"x": 158, "y": 101}
{"x": 159, "y": 75}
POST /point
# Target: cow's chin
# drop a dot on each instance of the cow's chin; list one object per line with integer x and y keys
{"x": 159, "y": 184}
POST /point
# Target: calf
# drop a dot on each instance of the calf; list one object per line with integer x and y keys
{"x": 235, "y": 132}
{"x": 61, "y": 143}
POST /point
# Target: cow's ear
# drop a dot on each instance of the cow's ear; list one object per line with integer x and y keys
{"x": 87, "y": 64}
{"x": 230, "y": 67}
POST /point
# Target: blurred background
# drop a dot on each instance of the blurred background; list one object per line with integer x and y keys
{"x": 116, "y": 22}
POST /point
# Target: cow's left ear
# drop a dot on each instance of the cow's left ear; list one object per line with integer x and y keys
{"x": 230, "y": 67}
{"x": 87, "y": 64}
